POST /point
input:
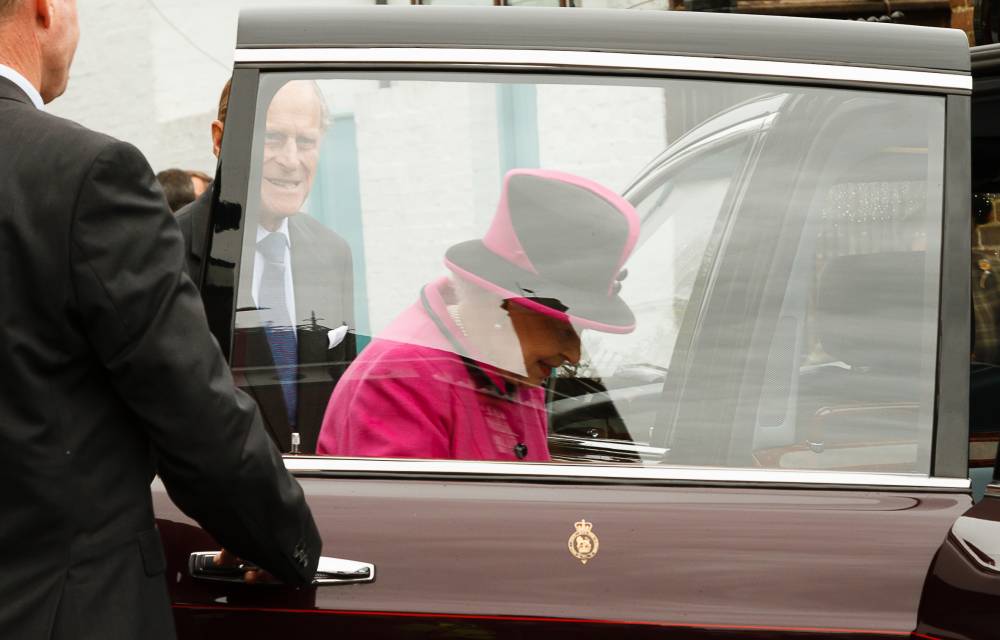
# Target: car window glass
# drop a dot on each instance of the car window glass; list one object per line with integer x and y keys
{"x": 984, "y": 428}
{"x": 680, "y": 213}
{"x": 619, "y": 271}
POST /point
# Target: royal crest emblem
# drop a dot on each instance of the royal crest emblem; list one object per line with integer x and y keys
{"x": 583, "y": 543}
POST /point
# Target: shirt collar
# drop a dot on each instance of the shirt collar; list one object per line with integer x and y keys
{"x": 283, "y": 230}
{"x": 23, "y": 84}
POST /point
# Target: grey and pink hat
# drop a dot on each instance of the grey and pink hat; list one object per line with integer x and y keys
{"x": 557, "y": 245}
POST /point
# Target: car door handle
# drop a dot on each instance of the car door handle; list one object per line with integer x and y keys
{"x": 331, "y": 571}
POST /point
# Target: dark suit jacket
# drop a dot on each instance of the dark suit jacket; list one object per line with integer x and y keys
{"x": 109, "y": 373}
{"x": 323, "y": 281}
{"x": 193, "y": 219}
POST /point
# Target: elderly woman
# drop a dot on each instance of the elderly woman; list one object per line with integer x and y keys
{"x": 458, "y": 375}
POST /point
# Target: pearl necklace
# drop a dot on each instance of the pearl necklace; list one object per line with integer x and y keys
{"x": 457, "y": 319}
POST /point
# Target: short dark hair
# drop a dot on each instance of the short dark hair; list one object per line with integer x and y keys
{"x": 6, "y": 6}
{"x": 177, "y": 187}
{"x": 223, "y": 99}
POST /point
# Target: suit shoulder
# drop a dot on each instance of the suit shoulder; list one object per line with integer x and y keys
{"x": 316, "y": 231}
{"x": 72, "y": 136}
{"x": 195, "y": 210}
{"x": 183, "y": 218}
{"x": 64, "y": 143}
{"x": 192, "y": 219}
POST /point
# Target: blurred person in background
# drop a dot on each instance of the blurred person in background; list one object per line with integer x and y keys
{"x": 110, "y": 376}
{"x": 200, "y": 181}
{"x": 178, "y": 188}
{"x": 193, "y": 218}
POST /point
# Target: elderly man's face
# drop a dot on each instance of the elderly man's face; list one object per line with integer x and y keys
{"x": 291, "y": 150}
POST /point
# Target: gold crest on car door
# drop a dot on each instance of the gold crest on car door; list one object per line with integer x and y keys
{"x": 583, "y": 543}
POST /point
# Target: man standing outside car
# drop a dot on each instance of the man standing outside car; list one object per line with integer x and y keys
{"x": 193, "y": 218}
{"x": 109, "y": 373}
{"x": 296, "y": 304}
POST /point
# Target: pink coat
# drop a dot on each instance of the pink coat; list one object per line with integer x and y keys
{"x": 409, "y": 395}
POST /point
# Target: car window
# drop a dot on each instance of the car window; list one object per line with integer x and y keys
{"x": 984, "y": 429}
{"x": 984, "y": 375}
{"x": 624, "y": 373}
{"x": 658, "y": 272}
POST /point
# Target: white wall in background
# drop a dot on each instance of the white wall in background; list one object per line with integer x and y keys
{"x": 150, "y": 71}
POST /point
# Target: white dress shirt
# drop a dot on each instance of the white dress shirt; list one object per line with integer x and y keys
{"x": 258, "y": 269}
{"x": 24, "y": 85}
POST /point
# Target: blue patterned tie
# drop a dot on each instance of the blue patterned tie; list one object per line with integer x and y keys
{"x": 274, "y": 313}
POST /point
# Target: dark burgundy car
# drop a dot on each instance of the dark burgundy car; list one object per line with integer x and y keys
{"x": 776, "y": 444}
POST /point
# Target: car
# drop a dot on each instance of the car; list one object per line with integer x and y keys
{"x": 776, "y": 446}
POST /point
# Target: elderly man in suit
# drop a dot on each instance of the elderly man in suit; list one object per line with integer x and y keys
{"x": 109, "y": 375}
{"x": 295, "y": 305}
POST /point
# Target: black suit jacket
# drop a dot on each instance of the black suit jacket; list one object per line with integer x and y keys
{"x": 193, "y": 219}
{"x": 109, "y": 373}
{"x": 323, "y": 281}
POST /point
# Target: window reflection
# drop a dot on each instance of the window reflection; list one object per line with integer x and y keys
{"x": 459, "y": 374}
{"x": 296, "y": 301}
{"x": 776, "y": 308}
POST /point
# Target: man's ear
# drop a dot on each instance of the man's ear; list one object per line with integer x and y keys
{"x": 217, "y": 128}
{"x": 43, "y": 13}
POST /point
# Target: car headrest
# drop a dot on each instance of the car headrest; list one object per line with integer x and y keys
{"x": 870, "y": 309}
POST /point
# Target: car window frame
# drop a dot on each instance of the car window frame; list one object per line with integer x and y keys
{"x": 949, "y": 456}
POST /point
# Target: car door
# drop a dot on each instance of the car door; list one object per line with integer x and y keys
{"x": 962, "y": 591}
{"x": 780, "y": 481}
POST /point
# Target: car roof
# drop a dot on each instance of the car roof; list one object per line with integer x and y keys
{"x": 985, "y": 56}
{"x": 846, "y": 42}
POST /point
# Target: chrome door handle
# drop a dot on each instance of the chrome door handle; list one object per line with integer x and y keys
{"x": 339, "y": 571}
{"x": 331, "y": 571}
